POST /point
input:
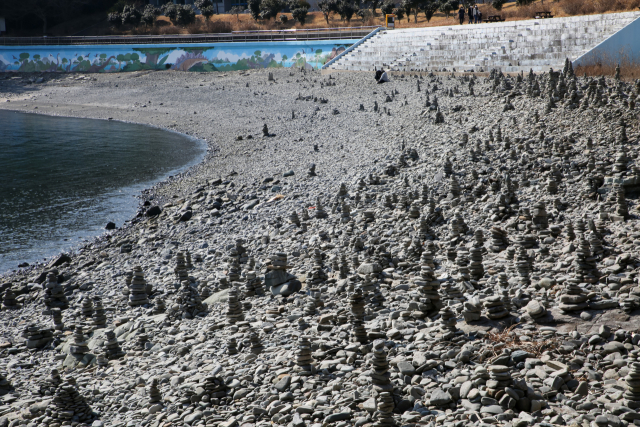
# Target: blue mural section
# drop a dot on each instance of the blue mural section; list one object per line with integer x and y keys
{"x": 188, "y": 57}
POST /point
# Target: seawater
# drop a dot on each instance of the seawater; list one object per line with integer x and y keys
{"x": 63, "y": 179}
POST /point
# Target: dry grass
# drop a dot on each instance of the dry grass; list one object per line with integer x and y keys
{"x": 508, "y": 338}
{"x": 605, "y": 66}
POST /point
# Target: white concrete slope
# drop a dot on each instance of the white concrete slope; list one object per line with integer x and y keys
{"x": 514, "y": 46}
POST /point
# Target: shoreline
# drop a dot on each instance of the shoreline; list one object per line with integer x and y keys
{"x": 203, "y": 147}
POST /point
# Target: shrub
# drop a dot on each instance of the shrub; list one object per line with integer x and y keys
{"x": 170, "y": 10}
{"x": 270, "y": 8}
{"x": 236, "y": 10}
{"x": 115, "y": 19}
{"x": 206, "y": 8}
{"x": 430, "y": 8}
{"x": 497, "y": 4}
{"x": 254, "y": 8}
{"x": 387, "y": 7}
{"x": 346, "y": 10}
{"x": 448, "y": 6}
{"x": 185, "y": 15}
{"x": 149, "y": 14}
{"x": 300, "y": 14}
{"x": 131, "y": 16}
{"x": 327, "y": 7}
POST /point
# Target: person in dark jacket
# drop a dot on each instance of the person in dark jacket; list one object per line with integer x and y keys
{"x": 470, "y": 14}
{"x": 461, "y": 14}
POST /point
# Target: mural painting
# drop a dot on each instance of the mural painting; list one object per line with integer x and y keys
{"x": 188, "y": 57}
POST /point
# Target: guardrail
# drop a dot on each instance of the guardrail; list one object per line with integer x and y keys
{"x": 353, "y": 46}
{"x": 233, "y": 37}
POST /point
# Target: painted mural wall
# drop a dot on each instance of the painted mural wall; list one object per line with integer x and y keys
{"x": 186, "y": 57}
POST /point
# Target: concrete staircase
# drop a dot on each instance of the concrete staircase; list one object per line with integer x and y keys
{"x": 515, "y": 46}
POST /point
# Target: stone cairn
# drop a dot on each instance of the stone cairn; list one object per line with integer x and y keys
{"x": 380, "y": 378}
{"x": 232, "y": 346}
{"x": 138, "y": 288}
{"x": 159, "y": 306}
{"x": 87, "y": 307}
{"x": 68, "y": 404}
{"x": 49, "y": 386}
{"x": 573, "y": 297}
{"x": 99, "y": 318}
{"x": 215, "y": 387}
{"x": 494, "y": 307}
{"x": 181, "y": 267}
{"x": 188, "y": 303}
{"x": 294, "y": 219}
{"x": 102, "y": 361}
{"x": 79, "y": 345}
{"x": 523, "y": 267}
{"x": 234, "y": 310}
{"x": 112, "y": 348}
{"x": 382, "y": 387}
{"x": 187, "y": 258}
{"x": 303, "y": 357}
{"x": 535, "y": 309}
{"x": 346, "y": 212}
{"x": 320, "y": 212}
{"x": 539, "y": 216}
{"x": 254, "y": 341}
{"x": 472, "y": 310}
{"x": 36, "y": 337}
{"x": 204, "y": 290}
{"x": 317, "y": 274}
{"x": 499, "y": 240}
{"x": 154, "y": 392}
{"x": 310, "y": 306}
{"x": 632, "y": 380}
{"x": 56, "y": 315}
{"x": 476, "y": 268}
{"x": 343, "y": 267}
{"x": 249, "y": 289}
{"x": 448, "y": 322}
{"x": 621, "y": 208}
{"x": 357, "y": 303}
{"x": 54, "y": 296}
{"x": 5, "y": 385}
{"x": 142, "y": 338}
{"x": 9, "y": 300}
{"x": 428, "y": 285}
{"x": 385, "y": 406}
{"x": 500, "y": 377}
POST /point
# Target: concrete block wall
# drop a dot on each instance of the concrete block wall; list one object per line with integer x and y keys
{"x": 515, "y": 46}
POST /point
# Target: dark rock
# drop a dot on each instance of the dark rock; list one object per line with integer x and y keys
{"x": 153, "y": 211}
{"x": 59, "y": 261}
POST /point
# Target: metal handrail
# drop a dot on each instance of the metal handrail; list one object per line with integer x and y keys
{"x": 235, "y": 36}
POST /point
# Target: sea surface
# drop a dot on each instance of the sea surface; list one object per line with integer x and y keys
{"x": 63, "y": 179}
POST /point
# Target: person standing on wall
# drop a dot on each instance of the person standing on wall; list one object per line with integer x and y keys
{"x": 470, "y": 13}
{"x": 461, "y": 14}
{"x": 476, "y": 14}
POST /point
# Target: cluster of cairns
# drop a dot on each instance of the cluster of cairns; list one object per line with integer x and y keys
{"x": 447, "y": 290}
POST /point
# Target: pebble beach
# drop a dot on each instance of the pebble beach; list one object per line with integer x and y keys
{"x": 439, "y": 250}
